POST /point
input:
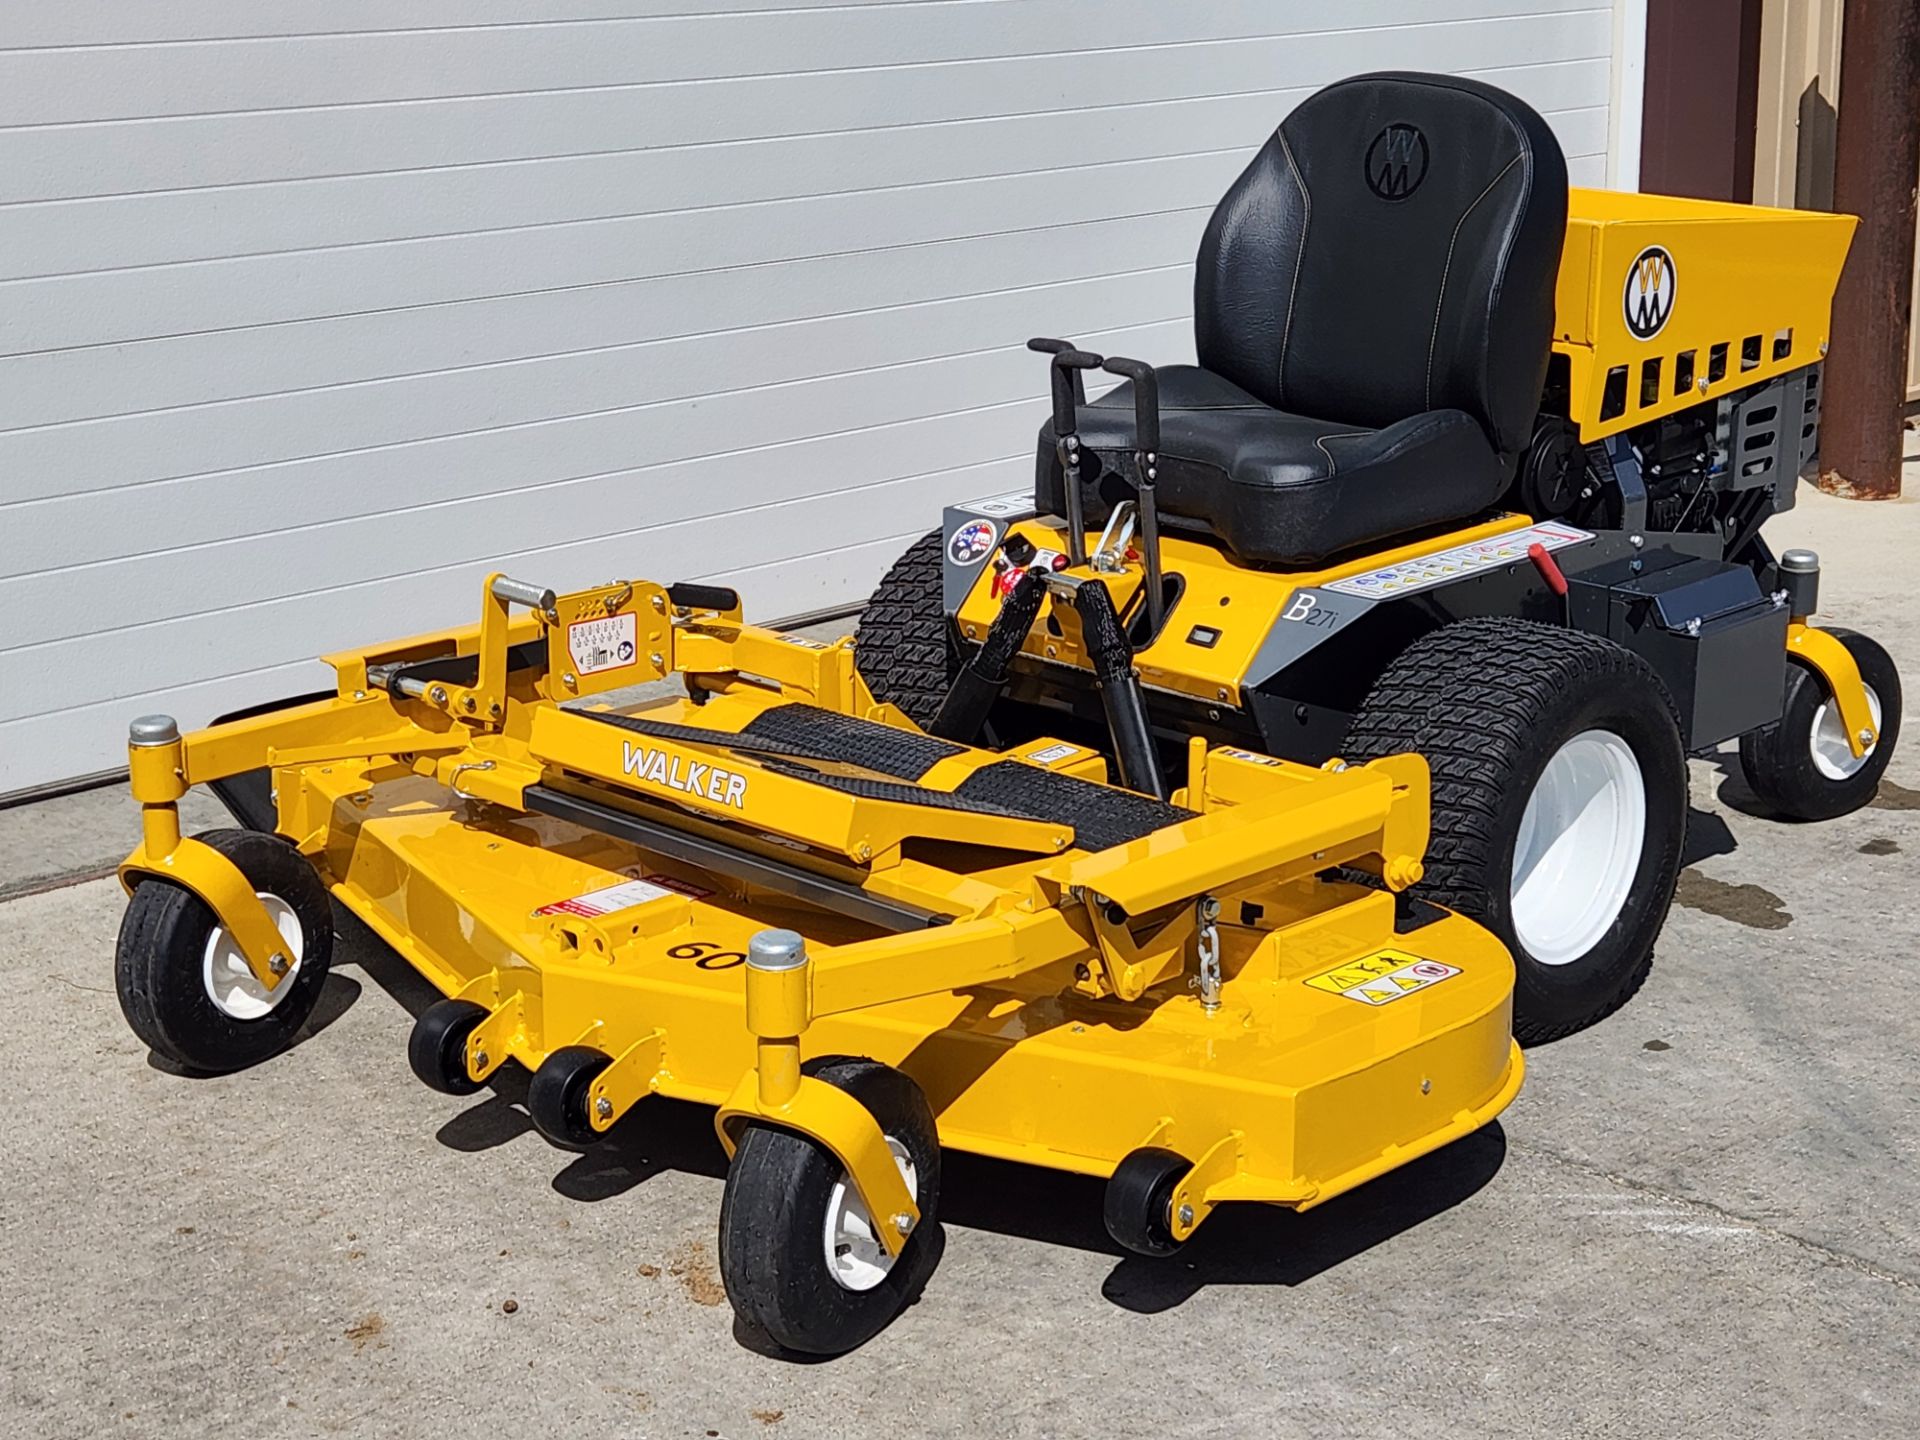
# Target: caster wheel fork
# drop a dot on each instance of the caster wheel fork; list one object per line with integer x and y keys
{"x": 801, "y": 1258}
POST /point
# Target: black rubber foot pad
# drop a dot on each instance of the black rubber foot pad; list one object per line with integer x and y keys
{"x": 828, "y": 735}
{"x": 1101, "y": 816}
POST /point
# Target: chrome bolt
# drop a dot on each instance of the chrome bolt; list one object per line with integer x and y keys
{"x": 467, "y": 703}
{"x": 278, "y": 964}
{"x": 1636, "y": 541}
{"x": 660, "y": 604}
{"x": 1426, "y": 1087}
{"x": 903, "y": 1222}
{"x": 479, "y": 1059}
{"x": 603, "y": 1107}
{"x": 569, "y": 681}
{"x": 1186, "y": 1214}
{"x": 438, "y": 694}
{"x": 657, "y": 660}
{"x": 1866, "y": 737}
{"x": 1701, "y": 384}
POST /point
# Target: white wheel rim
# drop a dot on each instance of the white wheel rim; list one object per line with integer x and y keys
{"x": 1579, "y": 847}
{"x": 1833, "y": 757}
{"x": 230, "y": 984}
{"x": 855, "y": 1257}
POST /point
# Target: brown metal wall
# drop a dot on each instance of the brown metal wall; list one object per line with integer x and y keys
{"x": 1703, "y": 74}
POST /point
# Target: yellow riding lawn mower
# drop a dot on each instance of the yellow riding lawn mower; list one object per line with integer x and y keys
{"x": 1208, "y": 818}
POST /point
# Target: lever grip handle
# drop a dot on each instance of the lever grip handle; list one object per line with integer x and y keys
{"x": 1068, "y": 390}
{"x": 1146, "y": 400}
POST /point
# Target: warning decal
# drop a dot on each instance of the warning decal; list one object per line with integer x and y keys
{"x": 1382, "y": 977}
{"x": 605, "y": 643}
{"x": 1426, "y": 571}
{"x": 624, "y": 896}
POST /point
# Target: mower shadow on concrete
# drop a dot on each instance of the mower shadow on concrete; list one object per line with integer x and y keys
{"x": 337, "y": 996}
{"x": 1707, "y": 835}
{"x": 1239, "y": 1245}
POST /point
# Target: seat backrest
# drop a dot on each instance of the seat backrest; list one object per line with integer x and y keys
{"x": 1393, "y": 249}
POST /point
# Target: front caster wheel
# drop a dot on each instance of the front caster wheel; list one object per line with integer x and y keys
{"x": 557, "y": 1099}
{"x": 1801, "y": 766}
{"x": 437, "y": 1047}
{"x": 185, "y": 987}
{"x": 1139, "y": 1200}
{"x": 799, "y": 1254}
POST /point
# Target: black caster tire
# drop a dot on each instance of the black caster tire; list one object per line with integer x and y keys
{"x": 1559, "y": 803}
{"x": 437, "y": 1046}
{"x": 903, "y": 646}
{"x": 797, "y": 1252}
{"x": 1801, "y": 766}
{"x": 557, "y": 1096}
{"x": 1138, "y": 1207}
{"x": 183, "y": 985}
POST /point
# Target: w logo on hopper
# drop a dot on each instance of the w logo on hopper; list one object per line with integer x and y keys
{"x": 1652, "y": 286}
{"x": 1397, "y": 162}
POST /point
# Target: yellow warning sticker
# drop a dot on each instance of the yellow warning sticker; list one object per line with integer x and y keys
{"x": 1382, "y": 977}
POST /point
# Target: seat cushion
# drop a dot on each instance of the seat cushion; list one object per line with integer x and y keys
{"x": 1276, "y": 488}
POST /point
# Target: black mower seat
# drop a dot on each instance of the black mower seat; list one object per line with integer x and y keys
{"x": 1373, "y": 315}
{"x": 1282, "y": 488}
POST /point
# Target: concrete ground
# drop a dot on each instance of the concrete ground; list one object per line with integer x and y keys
{"x": 1699, "y": 1218}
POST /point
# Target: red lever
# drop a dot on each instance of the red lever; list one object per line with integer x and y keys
{"x": 1549, "y": 570}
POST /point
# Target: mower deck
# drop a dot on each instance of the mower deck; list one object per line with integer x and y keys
{"x": 1321, "y": 1091}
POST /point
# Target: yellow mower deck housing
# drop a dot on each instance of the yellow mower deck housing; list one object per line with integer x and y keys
{"x": 530, "y": 846}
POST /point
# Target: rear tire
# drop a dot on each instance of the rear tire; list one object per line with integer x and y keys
{"x": 903, "y": 646}
{"x": 1562, "y": 749}
{"x": 1800, "y": 766}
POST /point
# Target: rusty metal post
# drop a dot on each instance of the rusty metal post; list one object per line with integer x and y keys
{"x": 1875, "y": 173}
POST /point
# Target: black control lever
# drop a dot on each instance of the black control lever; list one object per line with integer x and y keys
{"x": 1069, "y": 393}
{"x": 1146, "y": 459}
{"x": 981, "y": 680}
{"x": 1041, "y": 345}
{"x": 1112, "y": 657}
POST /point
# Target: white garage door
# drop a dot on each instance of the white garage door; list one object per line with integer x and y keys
{"x": 312, "y": 313}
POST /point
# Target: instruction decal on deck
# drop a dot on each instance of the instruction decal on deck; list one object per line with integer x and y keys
{"x": 623, "y": 896}
{"x": 1382, "y": 977}
{"x": 605, "y": 643}
{"x": 1426, "y": 571}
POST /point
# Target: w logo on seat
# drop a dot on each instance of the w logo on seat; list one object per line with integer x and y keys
{"x": 1397, "y": 162}
{"x": 1653, "y": 284}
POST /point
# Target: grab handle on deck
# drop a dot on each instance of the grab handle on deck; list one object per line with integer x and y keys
{"x": 523, "y": 592}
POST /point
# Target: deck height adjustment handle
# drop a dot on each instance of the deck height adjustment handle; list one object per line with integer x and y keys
{"x": 1146, "y": 460}
{"x": 524, "y": 592}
